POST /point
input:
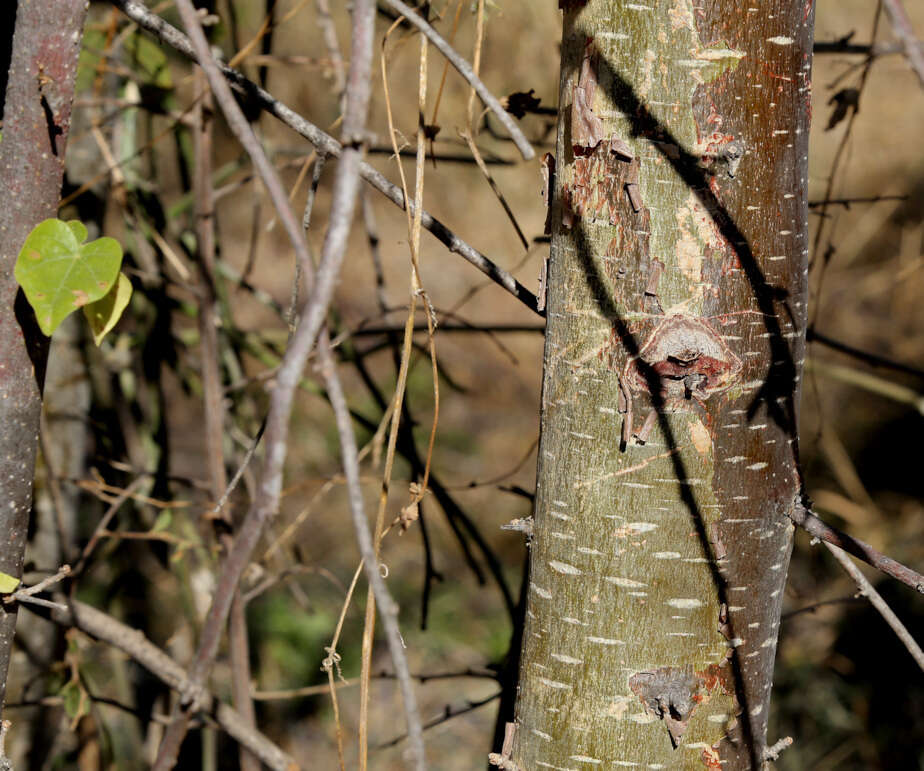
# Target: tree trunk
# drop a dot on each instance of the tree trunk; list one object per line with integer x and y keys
{"x": 668, "y": 458}
{"x": 36, "y": 118}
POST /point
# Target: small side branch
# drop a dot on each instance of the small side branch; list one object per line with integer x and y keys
{"x": 465, "y": 70}
{"x": 821, "y": 530}
{"x": 901, "y": 25}
{"x": 773, "y": 752}
{"x": 867, "y": 590}
{"x": 448, "y": 714}
{"x": 812, "y": 335}
{"x": 327, "y": 145}
{"x": 844, "y": 46}
{"x": 132, "y": 642}
{"x": 266, "y": 500}
{"x": 388, "y": 609}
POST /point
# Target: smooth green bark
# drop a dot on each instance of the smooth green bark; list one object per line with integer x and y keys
{"x": 673, "y": 353}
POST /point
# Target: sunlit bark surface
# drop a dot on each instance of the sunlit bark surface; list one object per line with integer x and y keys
{"x": 674, "y": 348}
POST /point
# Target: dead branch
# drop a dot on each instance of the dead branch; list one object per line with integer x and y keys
{"x": 327, "y": 145}
{"x": 465, "y": 70}
{"x": 266, "y": 500}
{"x": 132, "y": 642}
{"x": 867, "y": 590}
{"x": 388, "y": 609}
{"x": 901, "y": 25}
{"x": 815, "y": 526}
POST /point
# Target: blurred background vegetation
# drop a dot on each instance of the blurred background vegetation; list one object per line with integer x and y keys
{"x": 129, "y": 416}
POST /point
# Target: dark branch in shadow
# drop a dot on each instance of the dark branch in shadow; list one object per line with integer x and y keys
{"x": 813, "y": 336}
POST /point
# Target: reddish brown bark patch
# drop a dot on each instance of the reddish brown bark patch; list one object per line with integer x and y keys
{"x": 600, "y": 177}
{"x": 711, "y": 759}
{"x": 586, "y": 126}
{"x": 603, "y": 169}
{"x": 687, "y": 357}
{"x": 672, "y": 694}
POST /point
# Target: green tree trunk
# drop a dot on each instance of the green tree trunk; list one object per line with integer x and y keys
{"x": 675, "y": 338}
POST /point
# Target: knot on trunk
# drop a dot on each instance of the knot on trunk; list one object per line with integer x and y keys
{"x": 683, "y": 357}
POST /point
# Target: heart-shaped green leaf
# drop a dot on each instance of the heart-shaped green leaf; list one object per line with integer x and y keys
{"x": 59, "y": 273}
{"x": 78, "y": 229}
{"x": 75, "y": 698}
{"x": 105, "y": 312}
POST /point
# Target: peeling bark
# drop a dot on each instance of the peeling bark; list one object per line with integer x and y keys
{"x": 36, "y": 120}
{"x": 675, "y": 337}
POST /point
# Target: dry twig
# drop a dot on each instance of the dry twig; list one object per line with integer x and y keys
{"x": 416, "y": 290}
{"x": 901, "y": 25}
{"x": 132, "y": 642}
{"x": 815, "y": 526}
{"x": 266, "y": 501}
{"x": 465, "y": 70}
{"x": 387, "y": 607}
{"x": 327, "y": 145}
{"x": 867, "y": 590}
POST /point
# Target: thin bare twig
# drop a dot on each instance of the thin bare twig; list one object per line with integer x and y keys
{"x": 213, "y": 401}
{"x": 463, "y": 68}
{"x": 815, "y": 526}
{"x": 814, "y": 336}
{"x": 487, "y": 157}
{"x": 468, "y": 134}
{"x": 818, "y": 605}
{"x": 868, "y": 382}
{"x": 776, "y": 749}
{"x": 63, "y": 572}
{"x": 104, "y": 521}
{"x": 901, "y": 25}
{"x": 132, "y": 642}
{"x": 394, "y": 422}
{"x": 320, "y": 690}
{"x": 816, "y": 254}
{"x": 332, "y": 660}
{"x": 483, "y": 329}
{"x": 439, "y": 91}
{"x": 238, "y": 475}
{"x": 329, "y": 30}
{"x": 326, "y": 144}
{"x": 27, "y": 594}
{"x": 397, "y": 413}
{"x": 847, "y": 202}
{"x": 266, "y": 500}
{"x": 448, "y": 714}
{"x": 844, "y": 46}
{"x": 388, "y": 610}
{"x": 867, "y": 590}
